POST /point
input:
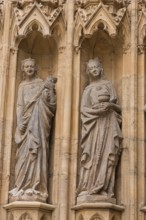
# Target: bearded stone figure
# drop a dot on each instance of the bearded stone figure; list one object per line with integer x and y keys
{"x": 36, "y": 106}
{"x": 101, "y": 136}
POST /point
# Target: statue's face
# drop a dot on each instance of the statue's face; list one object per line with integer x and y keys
{"x": 29, "y": 68}
{"x": 94, "y": 69}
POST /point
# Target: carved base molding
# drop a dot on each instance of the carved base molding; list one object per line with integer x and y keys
{"x": 98, "y": 211}
{"x": 29, "y": 211}
{"x": 95, "y": 198}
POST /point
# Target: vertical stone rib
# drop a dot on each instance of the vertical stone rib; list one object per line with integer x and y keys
{"x": 4, "y": 75}
{"x": 133, "y": 114}
{"x": 66, "y": 125}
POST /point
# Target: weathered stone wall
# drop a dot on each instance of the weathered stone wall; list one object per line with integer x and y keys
{"x": 62, "y": 35}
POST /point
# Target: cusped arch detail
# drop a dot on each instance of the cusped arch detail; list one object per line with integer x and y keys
{"x": 25, "y": 216}
{"x": 107, "y": 26}
{"x": 96, "y": 217}
{"x": 88, "y": 27}
{"x": 80, "y": 217}
{"x": 35, "y": 16}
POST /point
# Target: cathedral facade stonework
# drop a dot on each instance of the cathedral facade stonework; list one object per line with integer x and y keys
{"x": 72, "y": 110}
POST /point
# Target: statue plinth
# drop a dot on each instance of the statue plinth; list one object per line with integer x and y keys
{"x": 101, "y": 210}
{"x": 95, "y": 198}
{"x": 29, "y": 210}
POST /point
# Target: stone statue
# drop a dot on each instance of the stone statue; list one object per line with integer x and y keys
{"x": 36, "y": 106}
{"x": 101, "y": 136}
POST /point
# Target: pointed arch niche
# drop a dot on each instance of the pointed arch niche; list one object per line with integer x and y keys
{"x": 45, "y": 51}
{"x": 110, "y": 51}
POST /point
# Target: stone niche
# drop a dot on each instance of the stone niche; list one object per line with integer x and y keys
{"x": 110, "y": 52}
{"x": 44, "y": 51}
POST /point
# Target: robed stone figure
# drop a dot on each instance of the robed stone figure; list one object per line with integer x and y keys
{"x": 36, "y": 106}
{"x": 101, "y": 135}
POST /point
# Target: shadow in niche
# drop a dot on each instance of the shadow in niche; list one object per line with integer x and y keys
{"x": 45, "y": 52}
{"x": 110, "y": 52}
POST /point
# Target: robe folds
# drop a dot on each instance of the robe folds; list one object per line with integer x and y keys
{"x": 35, "y": 111}
{"x": 100, "y": 141}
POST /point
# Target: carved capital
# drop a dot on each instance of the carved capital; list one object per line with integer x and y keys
{"x": 1, "y": 11}
{"x": 126, "y": 48}
{"x": 61, "y": 49}
{"x": 13, "y": 50}
{"x": 141, "y": 6}
{"x": 141, "y": 49}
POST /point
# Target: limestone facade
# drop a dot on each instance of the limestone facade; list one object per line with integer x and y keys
{"x": 62, "y": 36}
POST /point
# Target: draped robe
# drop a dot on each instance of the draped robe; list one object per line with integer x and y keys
{"x": 36, "y": 113}
{"x": 101, "y": 140}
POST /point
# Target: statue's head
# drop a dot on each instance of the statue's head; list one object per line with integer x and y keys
{"x": 95, "y": 69}
{"x": 28, "y": 66}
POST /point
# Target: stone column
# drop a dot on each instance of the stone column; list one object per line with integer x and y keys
{"x": 75, "y": 130}
{"x": 4, "y": 174}
{"x": 67, "y": 117}
{"x": 132, "y": 143}
{"x": 125, "y": 130}
{"x": 141, "y": 130}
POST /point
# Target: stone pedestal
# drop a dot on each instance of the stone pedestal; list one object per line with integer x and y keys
{"x": 98, "y": 211}
{"x": 29, "y": 211}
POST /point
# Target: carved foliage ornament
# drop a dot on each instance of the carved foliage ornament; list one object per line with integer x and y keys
{"x": 91, "y": 15}
{"x": 44, "y": 13}
{"x": 117, "y": 9}
{"x": 25, "y": 216}
{"x": 50, "y": 13}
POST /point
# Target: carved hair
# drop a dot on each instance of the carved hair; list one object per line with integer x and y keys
{"x": 23, "y": 63}
{"x": 98, "y": 63}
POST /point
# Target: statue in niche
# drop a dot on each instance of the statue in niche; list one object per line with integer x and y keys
{"x": 101, "y": 136}
{"x": 36, "y": 106}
